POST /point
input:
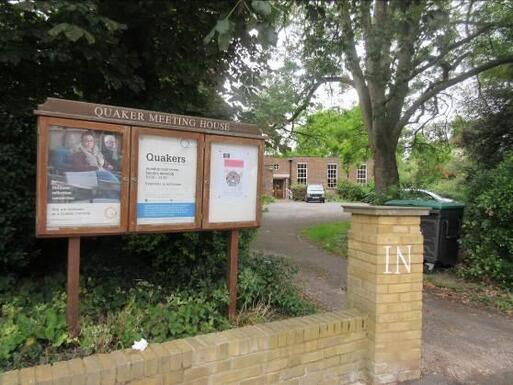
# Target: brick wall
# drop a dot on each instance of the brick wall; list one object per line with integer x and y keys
{"x": 378, "y": 340}
{"x": 385, "y": 266}
{"x": 353, "y": 172}
{"x": 268, "y": 181}
{"x": 317, "y": 170}
{"x": 320, "y": 349}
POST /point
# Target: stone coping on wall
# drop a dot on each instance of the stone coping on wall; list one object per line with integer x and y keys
{"x": 388, "y": 211}
{"x": 320, "y": 348}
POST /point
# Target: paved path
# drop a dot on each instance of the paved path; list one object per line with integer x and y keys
{"x": 461, "y": 345}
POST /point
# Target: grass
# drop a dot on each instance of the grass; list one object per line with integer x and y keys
{"x": 445, "y": 280}
{"x": 331, "y": 237}
{"x": 447, "y": 285}
{"x": 266, "y": 199}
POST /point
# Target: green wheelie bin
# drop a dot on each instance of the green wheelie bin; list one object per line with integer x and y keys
{"x": 441, "y": 229}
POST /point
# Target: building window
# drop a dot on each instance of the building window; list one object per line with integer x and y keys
{"x": 332, "y": 175}
{"x": 361, "y": 174}
{"x": 301, "y": 173}
{"x": 276, "y": 166}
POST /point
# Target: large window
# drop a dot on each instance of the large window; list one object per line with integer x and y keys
{"x": 361, "y": 174}
{"x": 301, "y": 173}
{"x": 332, "y": 175}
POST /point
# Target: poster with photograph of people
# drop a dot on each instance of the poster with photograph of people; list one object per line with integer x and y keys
{"x": 84, "y": 174}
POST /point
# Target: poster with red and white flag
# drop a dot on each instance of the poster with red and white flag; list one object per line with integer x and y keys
{"x": 233, "y": 177}
{"x": 233, "y": 182}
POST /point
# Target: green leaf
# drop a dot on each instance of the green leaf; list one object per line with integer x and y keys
{"x": 62, "y": 338}
{"x": 51, "y": 323}
{"x": 224, "y": 29}
{"x": 90, "y": 38}
{"x": 223, "y": 26}
{"x": 59, "y": 28}
{"x": 74, "y": 33}
{"x": 223, "y": 41}
{"x": 261, "y": 7}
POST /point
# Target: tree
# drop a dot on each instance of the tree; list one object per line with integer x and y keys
{"x": 148, "y": 55}
{"x": 332, "y": 133}
{"x": 427, "y": 161}
{"x": 488, "y": 136}
{"x": 270, "y": 107}
{"x": 400, "y": 56}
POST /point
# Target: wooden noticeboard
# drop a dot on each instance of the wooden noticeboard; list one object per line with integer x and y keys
{"x": 73, "y": 196}
{"x": 105, "y": 170}
{"x": 99, "y": 192}
{"x": 233, "y": 180}
{"x": 166, "y": 180}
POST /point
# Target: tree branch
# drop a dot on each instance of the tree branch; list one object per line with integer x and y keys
{"x": 433, "y": 61}
{"x": 438, "y": 87}
{"x": 353, "y": 61}
{"x": 409, "y": 29}
{"x": 309, "y": 94}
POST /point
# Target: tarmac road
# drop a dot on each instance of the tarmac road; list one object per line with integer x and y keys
{"x": 462, "y": 345}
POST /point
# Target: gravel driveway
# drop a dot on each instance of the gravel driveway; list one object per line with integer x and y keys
{"x": 461, "y": 345}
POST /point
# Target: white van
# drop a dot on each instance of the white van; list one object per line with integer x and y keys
{"x": 315, "y": 192}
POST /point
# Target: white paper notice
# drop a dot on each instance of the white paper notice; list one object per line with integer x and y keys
{"x": 166, "y": 191}
{"x": 233, "y": 181}
{"x": 91, "y": 214}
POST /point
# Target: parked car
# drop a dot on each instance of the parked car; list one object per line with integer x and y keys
{"x": 416, "y": 193}
{"x": 315, "y": 192}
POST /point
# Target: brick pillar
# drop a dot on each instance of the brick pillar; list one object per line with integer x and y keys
{"x": 385, "y": 264}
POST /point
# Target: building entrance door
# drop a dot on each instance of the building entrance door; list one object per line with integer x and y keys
{"x": 278, "y": 188}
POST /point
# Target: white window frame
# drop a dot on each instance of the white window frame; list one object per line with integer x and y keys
{"x": 359, "y": 178}
{"x": 332, "y": 178}
{"x": 306, "y": 172}
{"x": 276, "y": 166}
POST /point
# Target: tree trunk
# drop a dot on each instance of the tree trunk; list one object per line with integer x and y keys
{"x": 386, "y": 175}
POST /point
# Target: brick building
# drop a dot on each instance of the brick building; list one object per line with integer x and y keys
{"x": 281, "y": 173}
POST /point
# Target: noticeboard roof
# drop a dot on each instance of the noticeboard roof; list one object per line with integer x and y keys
{"x": 136, "y": 117}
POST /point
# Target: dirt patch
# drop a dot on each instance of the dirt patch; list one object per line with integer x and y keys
{"x": 479, "y": 295}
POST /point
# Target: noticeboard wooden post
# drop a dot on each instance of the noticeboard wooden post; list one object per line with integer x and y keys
{"x": 107, "y": 170}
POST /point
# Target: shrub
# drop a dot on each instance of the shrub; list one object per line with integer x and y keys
{"x": 119, "y": 305}
{"x": 332, "y": 197}
{"x": 353, "y": 192}
{"x": 199, "y": 256}
{"x": 265, "y": 279}
{"x": 298, "y": 192}
{"x": 18, "y": 170}
{"x": 488, "y": 234}
{"x": 266, "y": 199}
{"x": 454, "y": 188}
